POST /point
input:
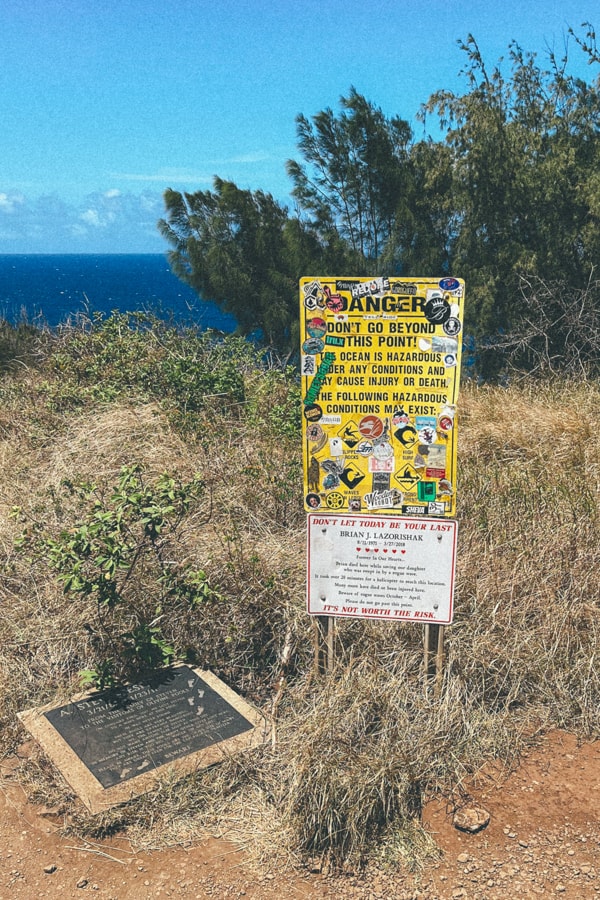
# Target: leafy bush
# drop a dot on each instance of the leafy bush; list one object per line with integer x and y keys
{"x": 136, "y": 353}
{"x": 123, "y": 555}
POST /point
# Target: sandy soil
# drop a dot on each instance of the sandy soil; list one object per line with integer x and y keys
{"x": 543, "y": 840}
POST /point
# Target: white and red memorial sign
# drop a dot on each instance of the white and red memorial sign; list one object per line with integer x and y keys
{"x": 381, "y": 567}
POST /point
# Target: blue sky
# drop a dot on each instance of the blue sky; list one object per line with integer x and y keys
{"x": 105, "y": 103}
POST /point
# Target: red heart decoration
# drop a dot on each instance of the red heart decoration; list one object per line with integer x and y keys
{"x": 385, "y": 549}
{"x": 394, "y": 550}
{"x": 376, "y": 550}
{"x": 366, "y": 549}
{"x": 358, "y": 549}
{"x": 403, "y": 551}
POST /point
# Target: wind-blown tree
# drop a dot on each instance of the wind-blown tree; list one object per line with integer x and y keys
{"x": 363, "y": 207}
{"x": 355, "y": 174}
{"x": 242, "y": 250}
{"x": 365, "y": 180}
{"x": 511, "y": 192}
{"x": 524, "y": 164}
{"x": 422, "y": 235}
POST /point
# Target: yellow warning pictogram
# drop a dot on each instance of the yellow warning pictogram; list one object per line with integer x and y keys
{"x": 407, "y": 478}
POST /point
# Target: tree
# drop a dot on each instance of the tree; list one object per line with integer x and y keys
{"x": 355, "y": 175}
{"x": 511, "y": 192}
{"x": 242, "y": 250}
{"x": 362, "y": 208}
{"x": 557, "y": 330}
{"x": 525, "y": 152}
{"x": 421, "y": 238}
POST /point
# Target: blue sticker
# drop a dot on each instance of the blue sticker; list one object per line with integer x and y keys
{"x": 449, "y": 284}
{"x": 316, "y": 327}
{"x": 312, "y": 346}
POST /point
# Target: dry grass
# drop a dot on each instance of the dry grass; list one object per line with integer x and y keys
{"x": 357, "y": 752}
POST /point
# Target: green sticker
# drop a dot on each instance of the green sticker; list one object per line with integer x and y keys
{"x": 426, "y": 491}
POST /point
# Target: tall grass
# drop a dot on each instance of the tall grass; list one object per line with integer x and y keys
{"x": 354, "y": 754}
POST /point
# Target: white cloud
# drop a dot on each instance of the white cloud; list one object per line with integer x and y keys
{"x": 10, "y": 202}
{"x": 108, "y": 221}
{"x": 166, "y": 178}
{"x": 91, "y": 217}
{"x": 261, "y": 156}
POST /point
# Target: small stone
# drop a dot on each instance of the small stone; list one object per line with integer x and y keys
{"x": 462, "y": 858}
{"x": 560, "y": 888}
{"x": 471, "y": 819}
{"x": 82, "y": 883}
{"x": 523, "y": 844}
{"x": 50, "y": 869}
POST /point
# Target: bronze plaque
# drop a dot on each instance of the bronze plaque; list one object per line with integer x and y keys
{"x": 111, "y": 745}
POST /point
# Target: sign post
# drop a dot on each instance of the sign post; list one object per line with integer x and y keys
{"x": 380, "y": 369}
{"x": 433, "y": 655}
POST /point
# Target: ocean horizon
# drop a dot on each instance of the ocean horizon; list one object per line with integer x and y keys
{"x": 51, "y": 289}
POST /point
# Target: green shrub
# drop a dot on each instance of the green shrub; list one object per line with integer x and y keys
{"x": 123, "y": 554}
{"x": 135, "y": 353}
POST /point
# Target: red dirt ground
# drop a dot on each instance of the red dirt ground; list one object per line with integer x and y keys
{"x": 543, "y": 840}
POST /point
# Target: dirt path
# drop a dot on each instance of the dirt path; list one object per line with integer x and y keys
{"x": 543, "y": 840}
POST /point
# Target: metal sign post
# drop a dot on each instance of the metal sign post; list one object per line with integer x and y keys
{"x": 324, "y": 644}
{"x": 433, "y": 656}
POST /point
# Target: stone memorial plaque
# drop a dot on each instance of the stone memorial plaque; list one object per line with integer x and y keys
{"x": 111, "y": 746}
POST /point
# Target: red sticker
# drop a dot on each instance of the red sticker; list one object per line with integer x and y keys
{"x": 371, "y": 427}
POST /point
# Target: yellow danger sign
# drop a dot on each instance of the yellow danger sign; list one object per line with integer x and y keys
{"x": 380, "y": 365}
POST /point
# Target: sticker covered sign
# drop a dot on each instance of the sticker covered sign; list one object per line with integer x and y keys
{"x": 380, "y": 375}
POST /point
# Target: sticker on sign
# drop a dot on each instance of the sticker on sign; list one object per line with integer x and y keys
{"x": 381, "y": 567}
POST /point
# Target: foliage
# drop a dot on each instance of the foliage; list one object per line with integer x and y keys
{"x": 556, "y": 330}
{"x": 511, "y": 191}
{"x": 524, "y": 153}
{"x": 184, "y": 368}
{"x": 240, "y": 249}
{"x": 352, "y": 754}
{"x": 122, "y": 554}
{"x": 355, "y": 176}
{"x": 19, "y": 344}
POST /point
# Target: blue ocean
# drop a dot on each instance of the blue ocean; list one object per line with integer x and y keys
{"x": 51, "y": 289}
